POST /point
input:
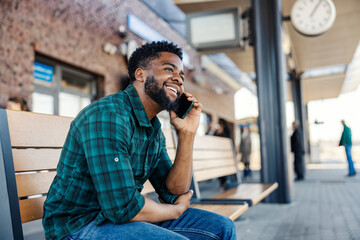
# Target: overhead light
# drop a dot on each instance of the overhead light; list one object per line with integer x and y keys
{"x": 325, "y": 71}
{"x": 286, "y": 44}
{"x": 291, "y": 63}
{"x": 218, "y": 90}
{"x": 110, "y": 48}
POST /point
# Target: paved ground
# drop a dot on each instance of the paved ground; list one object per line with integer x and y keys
{"x": 325, "y": 206}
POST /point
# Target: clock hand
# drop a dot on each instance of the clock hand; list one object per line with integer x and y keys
{"x": 316, "y": 7}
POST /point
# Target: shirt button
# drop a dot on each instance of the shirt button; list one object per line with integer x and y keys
{"x": 116, "y": 159}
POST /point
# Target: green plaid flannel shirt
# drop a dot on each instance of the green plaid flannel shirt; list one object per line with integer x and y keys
{"x": 111, "y": 149}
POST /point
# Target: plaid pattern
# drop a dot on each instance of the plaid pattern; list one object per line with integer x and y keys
{"x": 111, "y": 149}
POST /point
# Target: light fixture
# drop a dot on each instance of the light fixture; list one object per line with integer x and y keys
{"x": 110, "y": 48}
{"x": 122, "y": 31}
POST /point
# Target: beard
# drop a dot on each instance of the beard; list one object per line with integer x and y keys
{"x": 158, "y": 94}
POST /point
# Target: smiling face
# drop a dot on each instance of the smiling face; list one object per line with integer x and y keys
{"x": 164, "y": 81}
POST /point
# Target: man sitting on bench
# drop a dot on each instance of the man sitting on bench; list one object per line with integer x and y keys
{"x": 114, "y": 145}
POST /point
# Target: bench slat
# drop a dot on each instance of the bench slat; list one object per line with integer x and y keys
{"x": 37, "y": 130}
{"x": 34, "y": 183}
{"x": 171, "y": 153}
{"x": 207, "y": 174}
{"x": 148, "y": 188}
{"x": 212, "y": 143}
{"x": 254, "y": 192}
{"x": 202, "y": 165}
{"x": 211, "y": 154}
{"x": 31, "y": 209}
{"x": 169, "y": 139}
{"x": 232, "y": 211}
{"x": 33, "y": 159}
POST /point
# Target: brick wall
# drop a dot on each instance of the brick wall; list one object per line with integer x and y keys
{"x": 73, "y": 31}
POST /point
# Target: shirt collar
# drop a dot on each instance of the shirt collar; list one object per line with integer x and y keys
{"x": 139, "y": 110}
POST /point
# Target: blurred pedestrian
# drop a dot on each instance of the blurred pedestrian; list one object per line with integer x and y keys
{"x": 222, "y": 131}
{"x": 16, "y": 103}
{"x": 297, "y": 147}
{"x": 345, "y": 141}
{"x": 212, "y": 128}
{"x": 245, "y": 150}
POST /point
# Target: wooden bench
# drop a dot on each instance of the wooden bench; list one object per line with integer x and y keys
{"x": 30, "y": 147}
{"x": 30, "y": 159}
{"x": 215, "y": 157}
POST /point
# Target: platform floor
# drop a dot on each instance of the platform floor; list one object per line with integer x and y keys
{"x": 326, "y": 206}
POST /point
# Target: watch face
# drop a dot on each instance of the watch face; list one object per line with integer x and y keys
{"x": 313, "y": 17}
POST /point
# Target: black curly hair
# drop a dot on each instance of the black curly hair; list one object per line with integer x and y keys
{"x": 143, "y": 55}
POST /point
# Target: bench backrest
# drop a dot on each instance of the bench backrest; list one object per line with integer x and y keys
{"x": 36, "y": 142}
{"x": 213, "y": 157}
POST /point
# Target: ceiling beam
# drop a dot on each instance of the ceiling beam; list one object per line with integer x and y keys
{"x": 191, "y": 6}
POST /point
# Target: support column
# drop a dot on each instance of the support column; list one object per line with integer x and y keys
{"x": 271, "y": 80}
{"x": 299, "y": 107}
{"x": 300, "y": 111}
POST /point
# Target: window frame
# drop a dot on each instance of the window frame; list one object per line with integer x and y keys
{"x": 56, "y": 88}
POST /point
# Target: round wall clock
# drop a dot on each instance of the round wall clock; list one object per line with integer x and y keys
{"x": 313, "y": 17}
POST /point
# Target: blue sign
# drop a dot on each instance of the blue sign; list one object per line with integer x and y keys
{"x": 43, "y": 72}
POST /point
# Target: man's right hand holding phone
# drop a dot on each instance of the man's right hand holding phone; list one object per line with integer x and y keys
{"x": 191, "y": 121}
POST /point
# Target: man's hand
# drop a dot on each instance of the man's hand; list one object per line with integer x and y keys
{"x": 191, "y": 121}
{"x": 158, "y": 212}
{"x": 182, "y": 203}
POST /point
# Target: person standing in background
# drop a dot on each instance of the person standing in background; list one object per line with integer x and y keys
{"x": 297, "y": 147}
{"x": 222, "y": 131}
{"x": 345, "y": 141}
{"x": 211, "y": 128}
{"x": 245, "y": 150}
{"x": 15, "y": 103}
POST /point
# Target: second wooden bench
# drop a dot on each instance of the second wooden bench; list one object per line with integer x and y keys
{"x": 215, "y": 157}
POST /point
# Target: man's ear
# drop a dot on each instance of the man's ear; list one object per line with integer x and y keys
{"x": 140, "y": 75}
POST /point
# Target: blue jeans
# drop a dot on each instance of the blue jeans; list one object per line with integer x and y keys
{"x": 193, "y": 224}
{"x": 349, "y": 159}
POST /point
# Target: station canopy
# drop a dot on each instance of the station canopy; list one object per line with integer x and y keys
{"x": 329, "y": 62}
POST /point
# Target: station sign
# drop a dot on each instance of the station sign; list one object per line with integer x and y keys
{"x": 43, "y": 72}
{"x": 214, "y": 29}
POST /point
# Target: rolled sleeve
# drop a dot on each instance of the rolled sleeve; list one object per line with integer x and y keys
{"x": 105, "y": 139}
{"x": 158, "y": 177}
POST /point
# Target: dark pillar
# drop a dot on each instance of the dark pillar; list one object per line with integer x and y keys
{"x": 300, "y": 110}
{"x": 271, "y": 80}
{"x": 297, "y": 98}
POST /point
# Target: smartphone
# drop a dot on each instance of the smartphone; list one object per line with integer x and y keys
{"x": 184, "y": 106}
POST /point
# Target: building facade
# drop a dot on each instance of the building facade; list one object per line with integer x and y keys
{"x": 61, "y": 55}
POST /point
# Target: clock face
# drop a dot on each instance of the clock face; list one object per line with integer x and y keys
{"x": 313, "y": 17}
